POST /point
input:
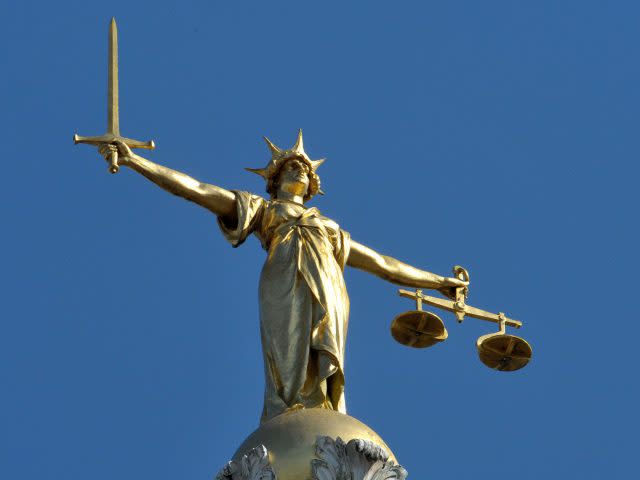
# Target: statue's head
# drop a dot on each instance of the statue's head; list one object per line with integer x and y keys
{"x": 288, "y": 166}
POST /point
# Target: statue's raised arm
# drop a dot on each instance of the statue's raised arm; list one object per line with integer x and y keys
{"x": 220, "y": 201}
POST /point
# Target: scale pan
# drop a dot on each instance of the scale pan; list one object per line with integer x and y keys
{"x": 504, "y": 352}
{"x": 418, "y": 329}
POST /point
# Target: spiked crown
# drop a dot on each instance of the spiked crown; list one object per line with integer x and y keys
{"x": 279, "y": 157}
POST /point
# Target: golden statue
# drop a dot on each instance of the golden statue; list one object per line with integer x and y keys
{"x": 304, "y": 310}
{"x": 304, "y": 306}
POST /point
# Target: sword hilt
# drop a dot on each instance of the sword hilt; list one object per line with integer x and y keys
{"x": 109, "y": 138}
{"x": 113, "y": 162}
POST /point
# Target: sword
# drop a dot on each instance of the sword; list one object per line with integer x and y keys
{"x": 113, "y": 117}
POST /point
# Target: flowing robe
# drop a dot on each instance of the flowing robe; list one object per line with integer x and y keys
{"x": 304, "y": 307}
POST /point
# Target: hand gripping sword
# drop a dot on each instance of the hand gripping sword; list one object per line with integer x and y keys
{"x": 113, "y": 120}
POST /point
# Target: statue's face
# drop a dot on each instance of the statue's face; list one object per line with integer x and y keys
{"x": 294, "y": 177}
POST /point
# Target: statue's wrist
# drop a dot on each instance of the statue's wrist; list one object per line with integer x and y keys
{"x": 129, "y": 160}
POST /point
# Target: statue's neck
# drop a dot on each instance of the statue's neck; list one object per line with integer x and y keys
{"x": 290, "y": 197}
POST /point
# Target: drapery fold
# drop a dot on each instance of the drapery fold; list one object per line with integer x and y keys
{"x": 304, "y": 306}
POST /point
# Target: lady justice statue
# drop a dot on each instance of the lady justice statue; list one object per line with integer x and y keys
{"x": 304, "y": 306}
{"x": 305, "y": 432}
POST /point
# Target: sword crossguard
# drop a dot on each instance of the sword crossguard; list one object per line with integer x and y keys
{"x": 109, "y": 138}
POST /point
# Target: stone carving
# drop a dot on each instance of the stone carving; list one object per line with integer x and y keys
{"x": 253, "y": 466}
{"x": 356, "y": 460}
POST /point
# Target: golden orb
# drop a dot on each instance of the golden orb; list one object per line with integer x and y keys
{"x": 290, "y": 439}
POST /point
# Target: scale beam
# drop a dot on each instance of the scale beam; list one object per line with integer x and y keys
{"x": 459, "y": 308}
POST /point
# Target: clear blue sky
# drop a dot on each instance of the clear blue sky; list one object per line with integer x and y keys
{"x": 499, "y": 135}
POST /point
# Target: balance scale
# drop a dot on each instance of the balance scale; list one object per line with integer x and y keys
{"x": 420, "y": 329}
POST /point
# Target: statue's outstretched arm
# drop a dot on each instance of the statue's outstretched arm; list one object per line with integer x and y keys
{"x": 220, "y": 201}
{"x": 395, "y": 271}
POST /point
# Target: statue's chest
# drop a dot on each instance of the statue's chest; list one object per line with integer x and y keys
{"x": 279, "y": 218}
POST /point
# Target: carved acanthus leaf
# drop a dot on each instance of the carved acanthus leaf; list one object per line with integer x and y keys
{"x": 252, "y": 466}
{"x": 357, "y": 460}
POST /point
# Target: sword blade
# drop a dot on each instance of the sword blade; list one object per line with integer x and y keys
{"x": 113, "y": 113}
